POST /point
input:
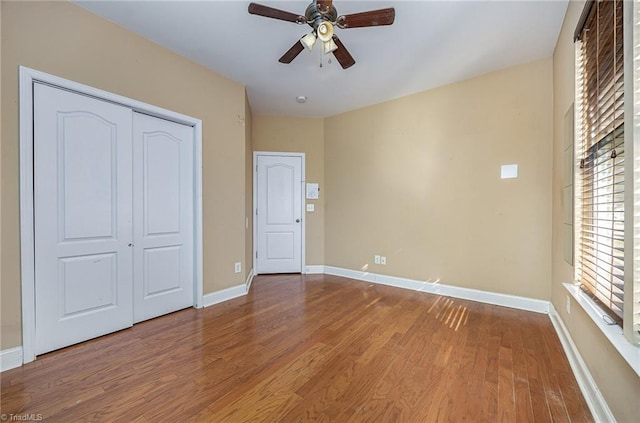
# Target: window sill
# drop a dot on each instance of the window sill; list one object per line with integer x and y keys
{"x": 627, "y": 350}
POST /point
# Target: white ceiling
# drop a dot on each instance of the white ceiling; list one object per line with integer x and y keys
{"x": 431, "y": 43}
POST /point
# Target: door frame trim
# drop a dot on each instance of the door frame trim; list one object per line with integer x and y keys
{"x": 27, "y": 236}
{"x": 303, "y": 213}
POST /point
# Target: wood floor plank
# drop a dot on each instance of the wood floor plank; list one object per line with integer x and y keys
{"x": 362, "y": 385}
{"x": 552, "y": 390}
{"x": 314, "y": 348}
{"x": 524, "y": 410}
{"x": 490, "y": 385}
{"x": 275, "y": 396}
{"x": 506, "y": 387}
{"x": 541, "y": 411}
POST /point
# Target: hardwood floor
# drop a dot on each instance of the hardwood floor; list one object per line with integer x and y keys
{"x": 311, "y": 348}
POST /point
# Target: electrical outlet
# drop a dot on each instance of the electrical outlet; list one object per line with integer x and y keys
{"x": 568, "y": 305}
{"x": 376, "y": 259}
{"x": 383, "y": 260}
{"x": 238, "y": 267}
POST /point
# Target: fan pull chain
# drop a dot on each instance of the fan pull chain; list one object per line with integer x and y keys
{"x": 328, "y": 61}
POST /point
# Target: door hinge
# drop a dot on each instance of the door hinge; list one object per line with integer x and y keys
{"x": 256, "y": 212}
{"x": 256, "y": 168}
{"x": 256, "y": 254}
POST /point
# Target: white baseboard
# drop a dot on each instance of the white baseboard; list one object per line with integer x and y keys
{"x": 505, "y": 300}
{"x": 224, "y": 295}
{"x": 317, "y": 269}
{"x": 590, "y": 391}
{"x": 249, "y": 280}
{"x": 512, "y": 301}
{"x": 10, "y": 358}
{"x": 228, "y": 293}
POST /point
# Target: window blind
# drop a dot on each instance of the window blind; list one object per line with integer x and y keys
{"x": 636, "y": 170}
{"x": 600, "y": 148}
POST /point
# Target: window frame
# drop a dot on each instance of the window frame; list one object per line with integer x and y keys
{"x": 626, "y": 340}
{"x": 599, "y": 174}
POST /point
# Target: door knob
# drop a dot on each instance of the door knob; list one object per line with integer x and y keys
{"x": 297, "y": 220}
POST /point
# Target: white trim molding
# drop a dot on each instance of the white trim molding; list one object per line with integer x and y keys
{"x": 505, "y": 300}
{"x": 249, "y": 280}
{"x": 10, "y": 358}
{"x": 592, "y": 395}
{"x": 230, "y": 293}
{"x": 629, "y": 352}
{"x": 223, "y": 295}
{"x": 27, "y": 261}
{"x": 314, "y": 269}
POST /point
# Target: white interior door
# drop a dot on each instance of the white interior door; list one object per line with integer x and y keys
{"x": 163, "y": 216}
{"x": 279, "y": 214}
{"x": 83, "y": 221}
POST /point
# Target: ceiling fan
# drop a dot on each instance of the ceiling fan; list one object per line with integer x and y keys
{"x": 322, "y": 16}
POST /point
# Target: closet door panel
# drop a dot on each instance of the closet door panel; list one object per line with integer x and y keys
{"x": 163, "y": 210}
{"x": 83, "y": 217}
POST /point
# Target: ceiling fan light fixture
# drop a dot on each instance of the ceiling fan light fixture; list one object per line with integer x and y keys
{"x": 329, "y": 46}
{"x": 322, "y": 17}
{"x": 308, "y": 41}
{"x": 325, "y": 31}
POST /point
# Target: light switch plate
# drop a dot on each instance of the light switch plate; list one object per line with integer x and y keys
{"x": 313, "y": 191}
{"x": 509, "y": 171}
{"x": 311, "y": 207}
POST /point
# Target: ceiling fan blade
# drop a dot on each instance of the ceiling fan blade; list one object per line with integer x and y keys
{"x": 270, "y": 12}
{"x": 371, "y": 18}
{"x": 342, "y": 54}
{"x": 292, "y": 53}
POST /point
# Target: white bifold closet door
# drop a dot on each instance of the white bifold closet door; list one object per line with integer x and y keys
{"x": 163, "y": 217}
{"x": 113, "y": 206}
{"x": 83, "y": 217}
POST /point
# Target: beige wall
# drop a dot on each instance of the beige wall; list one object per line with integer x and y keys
{"x": 615, "y": 379}
{"x": 418, "y": 180}
{"x": 248, "y": 189}
{"x": 67, "y": 41}
{"x": 299, "y": 135}
{"x": 3, "y": 315}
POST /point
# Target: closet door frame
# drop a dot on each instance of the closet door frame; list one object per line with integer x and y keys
{"x": 28, "y": 77}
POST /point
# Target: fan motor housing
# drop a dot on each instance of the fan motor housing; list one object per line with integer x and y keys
{"x": 315, "y": 17}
